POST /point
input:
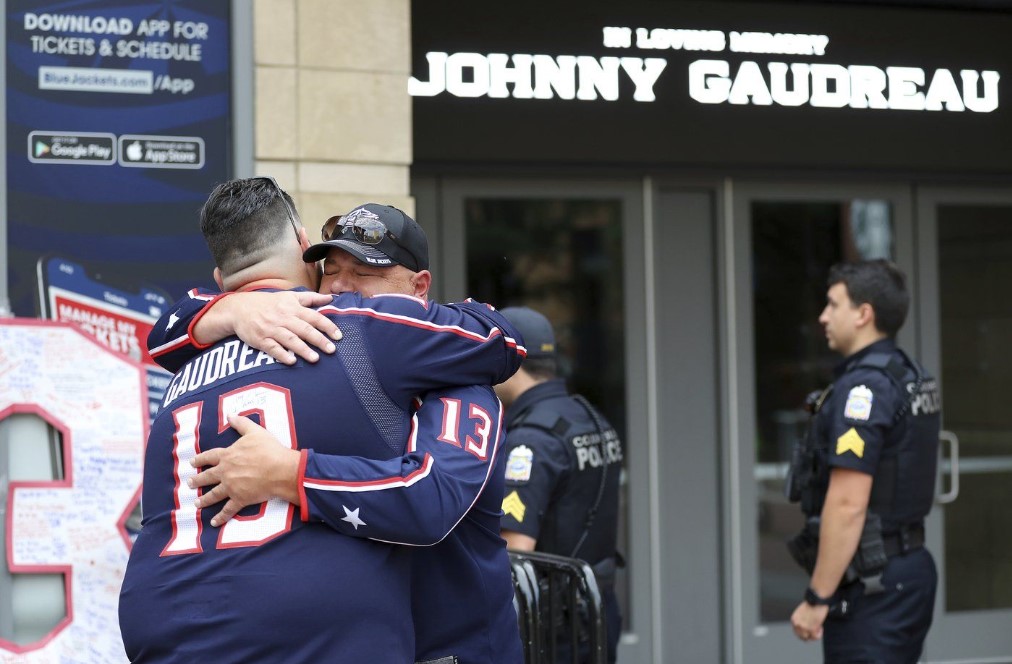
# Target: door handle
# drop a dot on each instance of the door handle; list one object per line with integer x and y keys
{"x": 953, "y": 492}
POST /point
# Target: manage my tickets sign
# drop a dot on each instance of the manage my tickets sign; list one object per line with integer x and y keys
{"x": 681, "y": 82}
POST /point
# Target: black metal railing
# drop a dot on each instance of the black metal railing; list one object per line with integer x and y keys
{"x": 559, "y": 609}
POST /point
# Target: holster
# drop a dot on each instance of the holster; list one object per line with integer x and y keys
{"x": 871, "y": 557}
{"x": 869, "y": 561}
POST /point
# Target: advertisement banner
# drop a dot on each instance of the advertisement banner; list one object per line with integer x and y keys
{"x": 118, "y": 127}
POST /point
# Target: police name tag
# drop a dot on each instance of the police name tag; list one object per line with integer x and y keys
{"x": 858, "y": 404}
{"x": 519, "y": 464}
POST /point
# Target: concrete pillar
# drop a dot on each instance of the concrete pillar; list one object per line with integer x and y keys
{"x": 333, "y": 116}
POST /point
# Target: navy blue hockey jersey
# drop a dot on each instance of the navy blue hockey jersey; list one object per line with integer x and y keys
{"x": 282, "y": 584}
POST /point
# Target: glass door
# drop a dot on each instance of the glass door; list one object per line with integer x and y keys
{"x": 784, "y": 239}
{"x": 574, "y": 252}
{"x": 965, "y": 272}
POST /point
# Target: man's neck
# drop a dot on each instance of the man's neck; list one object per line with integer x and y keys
{"x": 260, "y": 284}
{"x": 529, "y": 383}
{"x": 514, "y": 388}
{"x": 866, "y": 341}
{"x": 282, "y": 271}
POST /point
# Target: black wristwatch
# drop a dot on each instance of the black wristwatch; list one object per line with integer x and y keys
{"x": 813, "y": 598}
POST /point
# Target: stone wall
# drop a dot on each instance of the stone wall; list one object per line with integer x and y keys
{"x": 332, "y": 113}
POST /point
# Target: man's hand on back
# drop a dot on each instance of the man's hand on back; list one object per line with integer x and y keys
{"x": 251, "y": 470}
{"x": 281, "y": 324}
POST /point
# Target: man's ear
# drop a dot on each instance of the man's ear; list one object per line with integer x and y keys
{"x": 865, "y": 315}
{"x": 217, "y": 280}
{"x": 420, "y": 282}
{"x": 304, "y": 238}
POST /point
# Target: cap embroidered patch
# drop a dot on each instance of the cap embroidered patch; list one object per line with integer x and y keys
{"x": 519, "y": 464}
{"x": 514, "y": 507}
{"x": 858, "y": 404}
{"x": 850, "y": 442}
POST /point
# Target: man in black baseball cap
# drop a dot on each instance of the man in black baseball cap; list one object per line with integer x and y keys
{"x": 376, "y": 234}
{"x": 383, "y": 250}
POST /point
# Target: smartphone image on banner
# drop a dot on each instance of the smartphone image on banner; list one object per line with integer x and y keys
{"x": 118, "y": 314}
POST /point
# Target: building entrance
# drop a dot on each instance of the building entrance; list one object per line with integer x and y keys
{"x": 957, "y": 253}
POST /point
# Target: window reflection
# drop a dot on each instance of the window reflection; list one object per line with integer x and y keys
{"x": 562, "y": 257}
{"x": 975, "y": 261}
{"x": 793, "y": 246}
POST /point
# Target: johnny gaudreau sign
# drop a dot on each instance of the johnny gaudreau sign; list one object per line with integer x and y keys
{"x": 759, "y": 80}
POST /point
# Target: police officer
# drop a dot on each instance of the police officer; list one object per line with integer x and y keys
{"x": 865, "y": 477}
{"x": 562, "y": 469}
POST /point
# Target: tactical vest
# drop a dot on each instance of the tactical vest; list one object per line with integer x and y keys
{"x": 582, "y": 517}
{"x": 904, "y": 481}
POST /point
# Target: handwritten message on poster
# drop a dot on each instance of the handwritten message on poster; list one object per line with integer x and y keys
{"x": 74, "y": 526}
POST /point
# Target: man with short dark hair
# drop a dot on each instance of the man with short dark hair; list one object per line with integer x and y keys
{"x": 865, "y": 477}
{"x": 461, "y": 592}
{"x": 563, "y": 468}
{"x": 268, "y": 586}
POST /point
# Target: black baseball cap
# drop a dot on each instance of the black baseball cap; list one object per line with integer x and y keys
{"x": 539, "y": 338}
{"x": 378, "y": 235}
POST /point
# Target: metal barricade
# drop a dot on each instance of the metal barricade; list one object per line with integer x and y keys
{"x": 526, "y": 602}
{"x": 568, "y": 621}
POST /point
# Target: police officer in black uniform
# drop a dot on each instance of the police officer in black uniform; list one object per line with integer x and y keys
{"x": 865, "y": 477}
{"x": 562, "y": 468}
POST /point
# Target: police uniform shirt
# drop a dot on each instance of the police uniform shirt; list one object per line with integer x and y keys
{"x": 553, "y": 480}
{"x": 536, "y": 463}
{"x": 860, "y": 427}
{"x": 882, "y": 418}
{"x": 858, "y": 417}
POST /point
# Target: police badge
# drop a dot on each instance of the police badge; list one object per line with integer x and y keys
{"x": 859, "y": 402}
{"x": 519, "y": 464}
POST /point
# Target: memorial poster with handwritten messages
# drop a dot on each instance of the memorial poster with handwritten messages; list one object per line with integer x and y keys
{"x": 120, "y": 318}
{"x": 118, "y": 127}
{"x": 74, "y": 526}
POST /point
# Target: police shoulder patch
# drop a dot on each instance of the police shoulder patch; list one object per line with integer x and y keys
{"x": 519, "y": 464}
{"x": 850, "y": 442}
{"x": 859, "y": 401}
{"x": 514, "y": 507}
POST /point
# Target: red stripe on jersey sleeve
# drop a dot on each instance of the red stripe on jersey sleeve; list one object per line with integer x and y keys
{"x": 303, "y": 503}
{"x": 169, "y": 347}
{"x": 195, "y": 294}
{"x": 200, "y": 314}
{"x": 412, "y": 322}
{"x": 394, "y": 482}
